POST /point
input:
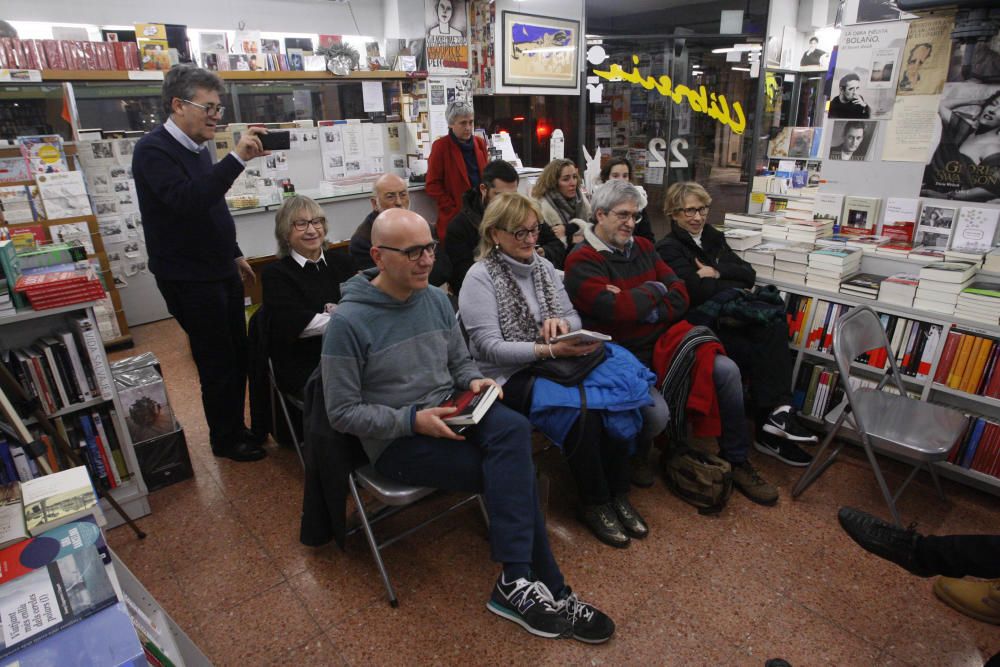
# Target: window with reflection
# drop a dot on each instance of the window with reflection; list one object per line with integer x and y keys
{"x": 32, "y": 109}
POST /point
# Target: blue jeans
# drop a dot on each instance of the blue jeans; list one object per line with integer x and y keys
{"x": 494, "y": 460}
{"x": 734, "y": 443}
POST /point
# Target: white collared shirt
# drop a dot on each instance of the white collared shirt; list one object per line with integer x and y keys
{"x": 317, "y": 325}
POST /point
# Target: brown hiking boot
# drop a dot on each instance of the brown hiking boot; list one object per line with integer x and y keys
{"x": 752, "y": 485}
{"x": 978, "y": 599}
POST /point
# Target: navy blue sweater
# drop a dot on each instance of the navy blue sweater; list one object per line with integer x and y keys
{"x": 190, "y": 234}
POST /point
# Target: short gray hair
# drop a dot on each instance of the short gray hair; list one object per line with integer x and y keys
{"x": 458, "y": 109}
{"x": 285, "y": 215}
{"x": 614, "y": 192}
{"x": 183, "y": 80}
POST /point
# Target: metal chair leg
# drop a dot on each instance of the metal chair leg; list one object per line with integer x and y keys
{"x": 370, "y": 536}
{"x": 482, "y": 510}
{"x": 291, "y": 429}
{"x": 889, "y": 500}
{"x": 819, "y": 464}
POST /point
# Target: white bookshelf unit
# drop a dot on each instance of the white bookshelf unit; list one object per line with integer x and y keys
{"x": 927, "y": 389}
{"x": 28, "y": 326}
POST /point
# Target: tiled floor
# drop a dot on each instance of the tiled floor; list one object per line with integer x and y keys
{"x": 223, "y": 558}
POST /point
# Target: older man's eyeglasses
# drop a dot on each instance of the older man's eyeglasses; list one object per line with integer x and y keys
{"x": 692, "y": 211}
{"x": 209, "y": 109}
{"x": 625, "y": 215}
{"x": 415, "y": 252}
{"x": 301, "y": 225}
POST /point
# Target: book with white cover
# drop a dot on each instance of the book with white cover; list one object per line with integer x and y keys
{"x": 975, "y": 230}
{"x": 935, "y": 226}
{"x": 827, "y": 207}
{"x": 948, "y": 272}
{"x": 900, "y": 219}
{"x": 741, "y": 239}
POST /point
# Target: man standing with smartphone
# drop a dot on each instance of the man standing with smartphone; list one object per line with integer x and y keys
{"x": 191, "y": 240}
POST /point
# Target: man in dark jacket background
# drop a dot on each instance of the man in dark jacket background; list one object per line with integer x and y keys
{"x": 191, "y": 238}
{"x": 463, "y": 230}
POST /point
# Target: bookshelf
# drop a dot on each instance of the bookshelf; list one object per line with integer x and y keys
{"x": 24, "y": 329}
{"x": 926, "y": 388}
{"x": 120, "y": 75}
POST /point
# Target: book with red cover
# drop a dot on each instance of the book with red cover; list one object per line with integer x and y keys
{"x": 54, "y": 54}
{"x": 102, "y": 51}
{"x": 987, "y": 446}
{"x": 72, "y": 54}
{"x": 34, "y": 54}
{"x": 993, "y": 387}
{"x": 471, "y": 407}
{"x": 132, "y": 56}
{"x": 991, "y": 365}
{"x": 13, "y": 52}
{"x": 93, "y": 295}
{"x": 947, "y": 357}
{"x": 43, "y": 282}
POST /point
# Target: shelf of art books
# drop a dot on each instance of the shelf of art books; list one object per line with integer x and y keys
{"x": 939, "y": 361}
{"x": 118, "y": 75}
{"x": 58, "y": 358}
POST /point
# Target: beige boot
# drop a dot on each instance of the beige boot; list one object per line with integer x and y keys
{"x": 978, "y": 599}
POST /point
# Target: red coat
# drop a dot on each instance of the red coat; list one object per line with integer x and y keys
{"x": 447, "y": 179}
{"x": 702, "y": 403}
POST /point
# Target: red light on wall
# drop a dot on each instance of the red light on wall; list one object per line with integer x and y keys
{"x": 542, "y": 130}
{"x": 518, "y": 119}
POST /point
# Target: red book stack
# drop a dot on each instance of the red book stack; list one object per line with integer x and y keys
{"x": 60, "y": 288}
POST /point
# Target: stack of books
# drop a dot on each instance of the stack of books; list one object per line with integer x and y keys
{"x": 899, "y": 289}
{"x": 833, "y": 241}
{"x": 829, "y": 266}
{"x": 740, "y": 239}
{"x": 775, "y": 229}
{"x": 60, "y": 288}
{"x": 900, "y": 249}
{"x": 761, "y": 257}
{"x": 992, "y": 261}
{"x": 753, "y": 221}
{"x": 926, "y": 254}
{"x": 790, "y": 262}
{"x": 965, "y": 255}
{"x": 867, "y": 243}
{"x": 807, "y": 231}
{"x": 865, "y": 285}
{"x": 940, "y": 285}
{"x": 969, "y": 363}
{"x": 980, "y": 302}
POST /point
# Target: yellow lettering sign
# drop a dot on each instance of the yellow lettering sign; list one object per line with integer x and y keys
{"x": 714, "y": 106}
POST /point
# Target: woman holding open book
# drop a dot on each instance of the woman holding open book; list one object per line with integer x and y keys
{"x": 517, "y": 315}
{"x": 718, "y": 281}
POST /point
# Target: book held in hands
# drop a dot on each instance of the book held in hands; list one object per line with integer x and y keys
{"x": 471, "y": 406}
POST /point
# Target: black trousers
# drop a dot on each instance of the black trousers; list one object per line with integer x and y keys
{"x": 761, "y": 352}
{"x": 598, "y": 462}
{"x": 211, "y": 314}
{"x": 961, "y": 555}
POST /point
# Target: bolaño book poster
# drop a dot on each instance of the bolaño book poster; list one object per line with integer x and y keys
{"x": 866, "y": 71}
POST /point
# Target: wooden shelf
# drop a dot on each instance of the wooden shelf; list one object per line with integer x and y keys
{"x": 50, "y": 75}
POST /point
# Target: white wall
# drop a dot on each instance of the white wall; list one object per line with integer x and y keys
{"x": 297, "y": 16}
{"x": 564, "y": 9}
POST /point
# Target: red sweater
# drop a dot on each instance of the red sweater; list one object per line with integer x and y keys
{"x": 625, "y": 315}
{"x": 447, "y": 178}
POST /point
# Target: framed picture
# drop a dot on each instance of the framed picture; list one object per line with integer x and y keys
{"x": 540, "y": 51}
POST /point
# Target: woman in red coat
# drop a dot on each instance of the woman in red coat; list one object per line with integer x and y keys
{"x": 456, "y": 164}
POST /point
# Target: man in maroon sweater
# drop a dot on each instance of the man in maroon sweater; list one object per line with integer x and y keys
{"x": 620, "y": 286}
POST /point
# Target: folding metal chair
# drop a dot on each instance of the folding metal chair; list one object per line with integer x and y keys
{"x": 283, "y": 400}
{"x": 918, "y": 432}
{"x": 395, "y": 497}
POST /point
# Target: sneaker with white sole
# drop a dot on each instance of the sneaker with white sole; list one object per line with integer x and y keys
{"x": 785, "y": 451}
{"x": 784, "y": 424}
{"x": 530, "y": 605}
{"x": 590, "y": 624}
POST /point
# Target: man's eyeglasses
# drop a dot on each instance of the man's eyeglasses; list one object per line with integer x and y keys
{"x": 209, "y": 109}
{"x": 525, "y": 232}
{"x": 402, "y": 195}
{"x": 691, "y": 211}
{"x": 625, "y": 215}
{"x": 318, "y": 223}
{"x": 416, "y": 252}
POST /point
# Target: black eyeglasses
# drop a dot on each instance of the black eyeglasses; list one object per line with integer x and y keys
{"x": 209, "y": 109}
{"x": 318, "y": 223}
{"x": 691, "y": 211}
{"x": 416, "y": 252}
{"x": 525, "y": 232}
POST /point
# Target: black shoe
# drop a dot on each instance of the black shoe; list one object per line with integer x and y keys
{"x": 784, "y": 424}
{"x": 255, "y": 439}
{"x": 883, "y": 539}
{"x": 239, "y": 451}
{"x": 590, "y": 624}
{"x": 631, "y": 520}
{"x": 785, "y": 451}
{"x": 641, "y": 472}
{"x": 603, "y": 523}
{"x": 530, "y": 605}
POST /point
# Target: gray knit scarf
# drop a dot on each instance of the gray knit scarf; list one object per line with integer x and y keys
{"x": 566, "y": 208}
{"x": 516, "y": 321}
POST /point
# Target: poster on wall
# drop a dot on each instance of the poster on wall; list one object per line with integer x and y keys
{"x": 540, "y": 51}
{"x": 866, "y": 71}
{"x": 907, "y": 137}
{"x": 814, "y": 55}
{"x": 852, "y": 139}
{"x": 925, "y": 56}
{"x": 965, "y": 164}
{"x": 447, "y": 41}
